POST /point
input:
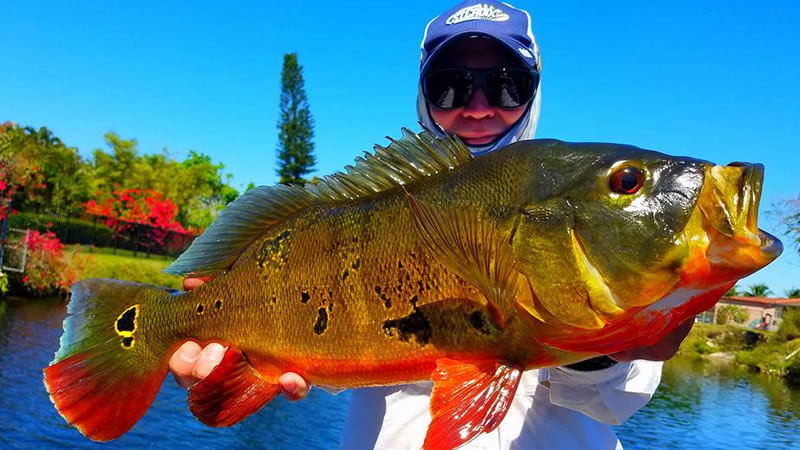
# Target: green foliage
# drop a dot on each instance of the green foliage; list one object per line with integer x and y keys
{"x": 709, "y": 338}
{"x": 733, "y": 292}
{"x": 3, "y": 284}
{"x": 763, "y": 358}
{"x": 792, "y": 370}
{"x": 793, "y": 293}
{"x": 57, "y": 176}
{"x": 70, "y": 230}
{"x": 50, "y": 176}
{"x": 295, "y": 147}
{"x": 728, "y": 313}
{"x": 789, "y": 213}
{"x": 790, "y": 324}
{"x": 757, "y": 290}
{"x": 195, "y": 185}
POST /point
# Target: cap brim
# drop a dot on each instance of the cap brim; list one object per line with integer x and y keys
{"x": 514, "y": 46}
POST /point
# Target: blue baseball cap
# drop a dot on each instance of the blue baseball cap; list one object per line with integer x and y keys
{"x": 500, "y": 21}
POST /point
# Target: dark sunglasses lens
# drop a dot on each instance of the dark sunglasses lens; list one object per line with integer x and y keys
{"x": 511, "y": 87}
{"x": 448, "y": 89}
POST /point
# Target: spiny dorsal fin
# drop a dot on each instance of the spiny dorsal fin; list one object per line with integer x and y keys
{"x": 237, "y": 226}
{"x": 413, "y": 157}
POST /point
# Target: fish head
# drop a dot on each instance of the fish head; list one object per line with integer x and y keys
{"x": 628, "y": 227}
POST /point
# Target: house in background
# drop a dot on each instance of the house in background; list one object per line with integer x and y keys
{"x": 764, "y": 312}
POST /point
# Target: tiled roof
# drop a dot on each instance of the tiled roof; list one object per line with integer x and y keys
{"x": 764, "y": 301}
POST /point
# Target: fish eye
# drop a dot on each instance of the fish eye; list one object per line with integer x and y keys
{"x": 627, "y": 180}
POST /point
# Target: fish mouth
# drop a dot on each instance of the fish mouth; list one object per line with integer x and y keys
{"x": 732, "y": 244}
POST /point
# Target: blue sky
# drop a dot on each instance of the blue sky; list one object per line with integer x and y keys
{"x": 716, "y": 80}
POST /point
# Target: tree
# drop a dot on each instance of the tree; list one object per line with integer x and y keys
{"x": 731, "y": 312}
{"x": 295, "y": 146}
{"x": 793, "y": 293}
{"x": 733, "y": 292}
{"x": 757, "y": 290}
{"x": 44, "y": 172}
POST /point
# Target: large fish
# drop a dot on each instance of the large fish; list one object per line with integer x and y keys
{"x": 422, "y": 262}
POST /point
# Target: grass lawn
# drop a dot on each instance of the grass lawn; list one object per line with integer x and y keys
{"x": 124, "y": 266}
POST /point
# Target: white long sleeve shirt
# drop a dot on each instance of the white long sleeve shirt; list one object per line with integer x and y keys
{"x": 554, "y": 408}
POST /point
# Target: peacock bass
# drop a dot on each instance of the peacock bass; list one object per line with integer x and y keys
{"x": 422, "y": 262}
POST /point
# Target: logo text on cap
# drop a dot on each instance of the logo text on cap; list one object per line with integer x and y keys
{"x": 480, "y": 11}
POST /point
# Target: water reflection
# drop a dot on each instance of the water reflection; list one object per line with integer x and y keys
{"x": 711, "y": 405}
{"x": 698, "y": 405}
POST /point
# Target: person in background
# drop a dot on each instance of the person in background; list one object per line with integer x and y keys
{"x": 480, "y": 80}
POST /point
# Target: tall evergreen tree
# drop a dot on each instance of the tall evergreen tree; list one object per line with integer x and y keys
{"x": 295, "y": 148}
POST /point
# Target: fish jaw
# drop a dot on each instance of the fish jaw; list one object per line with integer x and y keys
{"x": 722, "y": 236}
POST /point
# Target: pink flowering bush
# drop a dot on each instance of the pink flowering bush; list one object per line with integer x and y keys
{"x": 47, "y": 269}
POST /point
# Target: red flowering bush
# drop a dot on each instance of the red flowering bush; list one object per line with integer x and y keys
{"x": 124, "y": 209}
{"x": 47, "y": 269}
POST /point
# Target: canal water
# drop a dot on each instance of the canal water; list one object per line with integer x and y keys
{"x": 698, "y": 405}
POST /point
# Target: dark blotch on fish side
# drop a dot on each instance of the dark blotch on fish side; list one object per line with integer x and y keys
{"x": 127, "y": 342}
{"x": 356, "y": 263}
{"x": 387, "y": 303}
{"x": 345, "y": 274}
{"x": 478, "y": 322}
{"x": 125, "y": 323}
{"x": 330, "y": 307}
{"x": 218, "y": 304}
{"x": 200, "y": 309}
{"x": 305, "y": 297}
{"x": 413, "y": 300}
{"x": 399, "y": 264}
{"x": 414, "y": 325}
{"x": 322, "y": 321}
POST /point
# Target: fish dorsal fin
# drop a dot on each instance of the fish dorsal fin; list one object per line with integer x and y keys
{"x": 237, "y": 226}
{"x": 412, "y": 157}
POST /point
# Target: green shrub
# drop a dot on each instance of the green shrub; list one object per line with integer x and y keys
{"x": 70, "y": 230}
{"x": 792, "y": 371}
{"x": 790, "y": 324}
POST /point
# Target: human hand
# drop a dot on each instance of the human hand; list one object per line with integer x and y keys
{"x": 191, "y": 363}
{"x": 660, "y": 351}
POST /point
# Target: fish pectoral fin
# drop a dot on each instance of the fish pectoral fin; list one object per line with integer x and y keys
{"x": 231, "y": 392}
{"x": 468, "y": 399}
{"x": 474, "y": 248}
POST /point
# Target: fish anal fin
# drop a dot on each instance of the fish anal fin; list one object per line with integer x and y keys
{"x": 474, "y": 248}
{"x": 231, "y": 392}
{"x": 468, "y": 399}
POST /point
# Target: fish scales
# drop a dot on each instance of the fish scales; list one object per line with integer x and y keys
{"x": 369, "y": 272}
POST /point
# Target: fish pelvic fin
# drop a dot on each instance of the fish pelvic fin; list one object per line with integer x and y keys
{"x": 108, "y": 369}
{"x": 468, "y": 399}
{"x": 413, "y": 157}
{"x": 232, "y": 391}
{"x": 474, "y": 248}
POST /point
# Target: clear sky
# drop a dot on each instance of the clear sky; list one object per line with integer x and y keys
{"x": 718, "y": 80}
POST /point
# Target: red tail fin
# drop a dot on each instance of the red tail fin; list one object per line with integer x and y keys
{"x": 108, "y": 369}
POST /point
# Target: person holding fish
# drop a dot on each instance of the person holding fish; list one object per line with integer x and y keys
{"x": 479, "y": 80}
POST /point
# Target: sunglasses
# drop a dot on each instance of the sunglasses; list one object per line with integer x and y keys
{"x": 504, "y": 87}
